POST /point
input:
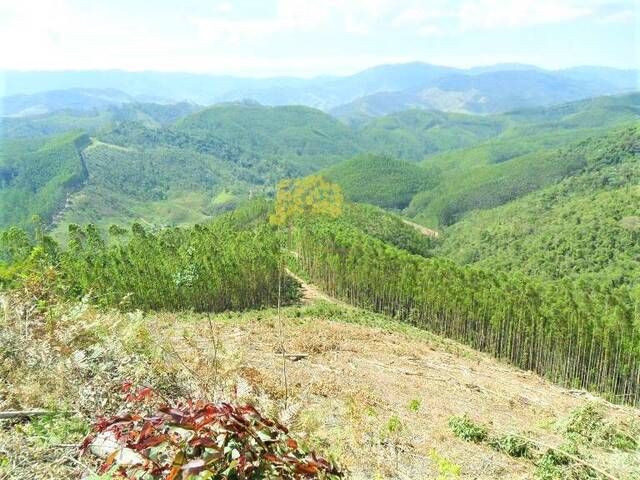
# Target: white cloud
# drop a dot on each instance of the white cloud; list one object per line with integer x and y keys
{"x": 489, "y": 14}
{"x": 224, "y": 7}
{"x": 72, "y": 34}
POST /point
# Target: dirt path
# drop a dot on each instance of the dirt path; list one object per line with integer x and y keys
{"x": 311, "y": 293}
{"x": 423, "y": 230}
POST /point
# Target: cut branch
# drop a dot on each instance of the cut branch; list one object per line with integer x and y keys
{"x": 24, "y": 413}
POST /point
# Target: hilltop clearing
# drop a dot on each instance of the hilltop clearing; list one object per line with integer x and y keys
{"x": 372, "y": 393}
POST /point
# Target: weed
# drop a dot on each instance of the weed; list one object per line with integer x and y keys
{"x": 588, "y": 426}
{"x": 414, "y": 405}
{"x": 512, "y": 445}
{"x": 52, "y": 429}
{"x": 465, "y": 428}
{"x": 394, "y": 425}
{"x": 550, "y": 466}
{"x": 446, "y": 468}
{"x": 553, "y": 465}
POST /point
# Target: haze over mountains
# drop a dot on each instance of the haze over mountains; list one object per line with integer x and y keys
{"x": 376, "y": 91}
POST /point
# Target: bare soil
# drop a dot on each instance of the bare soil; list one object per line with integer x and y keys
{"x": 349, "y": 381}
{"x": 422, "y": 229}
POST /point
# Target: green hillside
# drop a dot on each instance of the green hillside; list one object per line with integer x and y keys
{"x": 534, "y": 130}
{"x": 36, "y": 176}
{"x": 163, "y": 184}
{"x": 487, "y": 186}
{"x": 379, "y": 180}
{"x": 589, "y": 113}
{"x": 387, "y": 227}
{"x": 530, "y": 154}
{"x": 303, "y": 136}
{"x": 415, "y": 134}
{"x": 180, "y": 164}
{"x": 587, "y": 224}
{"x": 54, "y": 123}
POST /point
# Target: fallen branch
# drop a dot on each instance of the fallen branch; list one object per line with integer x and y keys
{"x": 294, "y": 357}
{"x": 24, "y": 413}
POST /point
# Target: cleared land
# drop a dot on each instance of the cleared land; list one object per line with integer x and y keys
{"x": 375, "y": 394}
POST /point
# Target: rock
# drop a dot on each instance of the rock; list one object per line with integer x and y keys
{"x": 105, "y": 444}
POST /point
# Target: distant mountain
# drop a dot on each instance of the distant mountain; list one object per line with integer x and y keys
{"x": 92, "y": 120}
{"x": 622, "y": 79}
{"x": 377, "y": 90}
{"x": 503, "y": 67}
{"x": 175, "y": 87}
{"x": 53, "y": 100}
{"x": 481, "y": 93}
{"x": 327, "y": 92}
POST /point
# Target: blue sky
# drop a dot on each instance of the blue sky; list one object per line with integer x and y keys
{"x": 312, "y": 37}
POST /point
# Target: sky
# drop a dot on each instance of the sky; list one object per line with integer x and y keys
{"x": 314, "y": 37}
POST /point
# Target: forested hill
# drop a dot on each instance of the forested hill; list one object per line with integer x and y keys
{"x": 176, "y": 211}
{"x": 587, "y": 226}
{"x": 36, "y": 176}
{"x": 179, "y": 164}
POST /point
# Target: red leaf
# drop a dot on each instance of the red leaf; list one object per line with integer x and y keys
{"x": 306, "y": 469}
{"x": 126, "y": 386}
{"x": 150, "y": 442}
{"x": 175, "y": 413}
{"x": 108, "y": 462}
{"x": 272, "y": 458}
{"x": 291, "y": 443}
{"x": 203, "y": 442}
{"x": 147, "y": 428}
{"x": 140, "y": 395}
{"x": 86, "y": 442}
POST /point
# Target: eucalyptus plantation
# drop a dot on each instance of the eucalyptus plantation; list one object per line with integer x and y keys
{"x": 577, "y": 335}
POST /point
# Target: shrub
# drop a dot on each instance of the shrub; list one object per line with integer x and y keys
{"x": 512, "y": 445}
{"x": 446, "y": 468}
{"x": 465, "y": 428}
{"x": 414, "y": 405}
{"x": 206, "y": 440}
{"x": 587, "y": 425}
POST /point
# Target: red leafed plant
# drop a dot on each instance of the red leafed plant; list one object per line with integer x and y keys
{"x": 199, "y": 440}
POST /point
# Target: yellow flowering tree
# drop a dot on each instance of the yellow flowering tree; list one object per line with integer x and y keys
{"x": 306, "y": 196}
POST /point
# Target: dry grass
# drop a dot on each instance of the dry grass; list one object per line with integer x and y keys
{"x": 374, "y": 394}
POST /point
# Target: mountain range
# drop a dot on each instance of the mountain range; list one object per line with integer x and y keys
{"x": 376, "y": 91}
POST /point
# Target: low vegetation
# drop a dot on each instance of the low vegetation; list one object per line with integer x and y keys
{"x": 589, "y": 441}
{"x": 201, "y": 440}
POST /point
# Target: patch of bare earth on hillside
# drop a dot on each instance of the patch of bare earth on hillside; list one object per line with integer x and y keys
{"x": 422, "y": 229}
{"x": 374, "y": 394}
{"x": 380, "y": 400}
